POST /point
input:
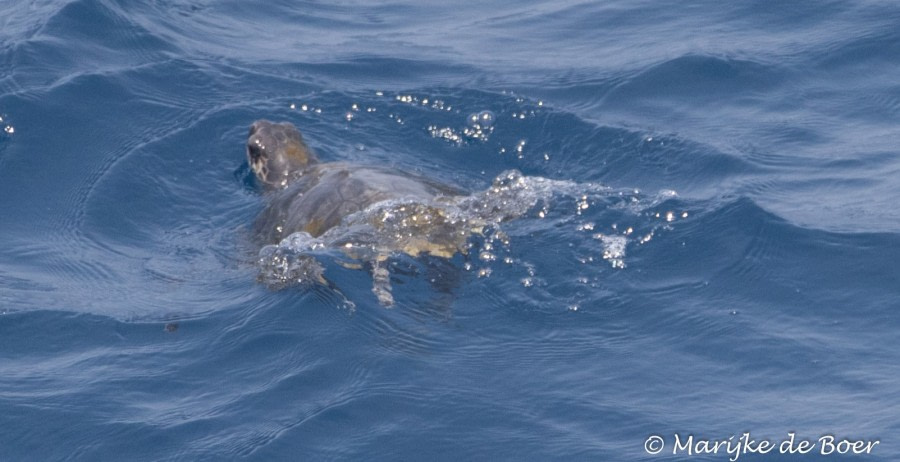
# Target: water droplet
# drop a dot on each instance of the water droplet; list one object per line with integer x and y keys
{"x": 483, "y": 119}
{"x": 486, "y": 118}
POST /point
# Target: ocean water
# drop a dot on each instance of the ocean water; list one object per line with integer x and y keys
{"x": 716, "y": 249}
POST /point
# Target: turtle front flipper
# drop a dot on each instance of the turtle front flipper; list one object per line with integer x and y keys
{"x": 381, "y": 281}
{"x": 288, "y": 263}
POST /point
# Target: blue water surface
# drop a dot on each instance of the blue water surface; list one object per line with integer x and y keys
{"x": 740, "y": 274}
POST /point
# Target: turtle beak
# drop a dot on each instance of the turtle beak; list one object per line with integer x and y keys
{"x": 256, "y": 160}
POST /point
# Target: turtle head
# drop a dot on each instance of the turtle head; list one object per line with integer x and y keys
{"x": 276, "y": 151}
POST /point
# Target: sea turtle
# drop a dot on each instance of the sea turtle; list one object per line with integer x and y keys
{"x": 365, "y": 212}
